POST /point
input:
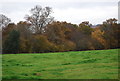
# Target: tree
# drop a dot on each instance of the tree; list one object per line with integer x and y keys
{"x": 41, "y": 44}
{"x": 110, "y": 21}
{"x": 40, "y": 18}
{"x": 11, "y": 44}
{"x": 25, "y": 45}
{"x": 66, "y": 45}
{"x": 98, "y": 39}
{"x": 4, "y": 21}
{"x": 111, "y": 30}
{"x": 24, "y": 29}
{"x": 85, "y": 28}
{"x": 58, "y": 33}
{"x": 85, "y": 23}
{"x": 6, "y": 30}
{"x": 55, "y": 32}
{"x": 25, "y": 36}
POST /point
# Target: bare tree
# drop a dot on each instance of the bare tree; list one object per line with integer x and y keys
{"x": 4, "y": 21}
{"x": 39, "y": 18}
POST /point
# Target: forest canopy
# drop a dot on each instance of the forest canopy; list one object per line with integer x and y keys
{"x": 41, "y": 33}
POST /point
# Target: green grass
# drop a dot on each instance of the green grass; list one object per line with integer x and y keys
{"x": 97, "y": 64}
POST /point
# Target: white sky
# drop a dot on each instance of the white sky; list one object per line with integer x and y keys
{"x": 74, "y": 11}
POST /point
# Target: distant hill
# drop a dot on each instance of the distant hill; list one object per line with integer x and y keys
{"x": 94, "y": 26}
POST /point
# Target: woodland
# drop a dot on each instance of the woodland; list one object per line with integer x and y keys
{"x": 41, "y": 33}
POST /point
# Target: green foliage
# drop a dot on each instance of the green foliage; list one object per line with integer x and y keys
{"x": 97, "y": 64}
{"x": 11, "y": 44}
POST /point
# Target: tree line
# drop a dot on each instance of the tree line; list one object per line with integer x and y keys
{"x": 40, "y": 33}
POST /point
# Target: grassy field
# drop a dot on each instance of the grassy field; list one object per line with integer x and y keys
{"x": 97, "y": 64}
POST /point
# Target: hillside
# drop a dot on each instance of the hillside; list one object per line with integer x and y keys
{"x": 97, "y": 64}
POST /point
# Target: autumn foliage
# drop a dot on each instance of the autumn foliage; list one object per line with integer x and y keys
{"x": 56, "y": 36}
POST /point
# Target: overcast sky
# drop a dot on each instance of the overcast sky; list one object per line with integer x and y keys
{"x": 74, "y": 11}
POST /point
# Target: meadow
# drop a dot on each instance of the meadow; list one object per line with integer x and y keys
{"x": 95, "y": 64}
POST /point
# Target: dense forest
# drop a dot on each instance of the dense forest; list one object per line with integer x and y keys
{"x": 41, "y": 33}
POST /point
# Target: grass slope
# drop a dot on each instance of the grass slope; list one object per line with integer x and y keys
{"x": 97, "y": 64}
